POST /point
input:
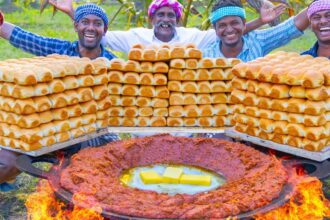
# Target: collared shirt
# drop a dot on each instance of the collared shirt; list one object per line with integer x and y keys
{"x": 124, "y": 40}
{"x": 43, "y": 46}
{"x": 312, "y": 51}
{"x": 260, "y": 42}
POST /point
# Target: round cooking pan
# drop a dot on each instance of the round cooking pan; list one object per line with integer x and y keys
{"x": 25, "y": 164}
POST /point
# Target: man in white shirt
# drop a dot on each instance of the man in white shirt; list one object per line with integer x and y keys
{"x": 165, "y": 15}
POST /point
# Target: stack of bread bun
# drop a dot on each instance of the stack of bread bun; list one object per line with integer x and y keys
{"x": 199, "y": 89}
{"x": 170, "y": 85}
{"x": 138, "y": 87}
{"x": 46, "y": 100}
{"x": 285, "y": 98}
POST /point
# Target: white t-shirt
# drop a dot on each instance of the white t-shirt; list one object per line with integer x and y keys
{"x": 124, "y": 40}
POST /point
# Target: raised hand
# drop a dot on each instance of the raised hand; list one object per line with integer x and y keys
{"x": 63, "y": 5}
{"x": 270, "y": 13}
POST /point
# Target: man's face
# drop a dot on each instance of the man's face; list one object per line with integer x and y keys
{"x": 230, "y": 30}
{"x": 320, "y": 24}
{"x": 164, "y": 22}
{"x": 90, "y": 31}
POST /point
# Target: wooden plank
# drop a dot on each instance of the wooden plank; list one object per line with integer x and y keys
{"x": 316, "y": 156}
{"x": 58, "y": 146}
{"x": 166, "y": 129}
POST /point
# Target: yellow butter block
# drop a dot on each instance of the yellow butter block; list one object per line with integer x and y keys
{"x": 195, "y": 180}
{"x": 172, "y": 175}
{"x": 150, "y": 177}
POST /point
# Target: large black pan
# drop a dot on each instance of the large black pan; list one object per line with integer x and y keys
{"x": 25, "y": 164}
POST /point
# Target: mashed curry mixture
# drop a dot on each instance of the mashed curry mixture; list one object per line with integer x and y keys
{"x": 253, "y": 179}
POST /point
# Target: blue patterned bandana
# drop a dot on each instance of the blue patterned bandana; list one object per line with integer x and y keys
{"x": 227, "y": 11}
{"x": 90, "y": 9}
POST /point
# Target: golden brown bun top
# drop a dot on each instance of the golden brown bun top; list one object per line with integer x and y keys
{"x": 190, "y": 45}
{"x": 138, "y": 46}
{"x": 35, "y": 70}
{"x": 178, "y": 48}
{"x": 288, "y": 68}
{"x": 165, "y": 45}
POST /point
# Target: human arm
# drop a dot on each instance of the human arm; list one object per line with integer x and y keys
{"x": 30, "y": 42}
{"x": 301, "y": 20}
{"x": 64, "y": 6}
{"x": 272, "y": 38}
{"x": 283, "y": 33}
{"x": 267, "y": 15}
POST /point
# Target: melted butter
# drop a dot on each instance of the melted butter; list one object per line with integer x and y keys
{"x": 131, "y": 178}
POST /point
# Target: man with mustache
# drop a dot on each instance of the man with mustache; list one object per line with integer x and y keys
{"x": 318, "y": 13}
{"x": 90, "y": 23}
{"x": 165, "y": 16}
{"x": 229, "y": 21}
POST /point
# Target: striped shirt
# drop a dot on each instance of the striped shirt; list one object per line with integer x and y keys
{"x": 260, "y": 42}
{"x": 43, "y": 46}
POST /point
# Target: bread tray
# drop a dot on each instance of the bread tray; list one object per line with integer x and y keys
{"x": 58, "y": 146}
{"x": 167, "y": 129}
{"x": 316, "y": 156}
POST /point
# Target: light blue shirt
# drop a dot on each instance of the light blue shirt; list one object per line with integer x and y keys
{"x": 260, "y": 42}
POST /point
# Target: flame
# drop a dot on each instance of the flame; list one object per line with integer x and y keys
{"x": 308, "y": 202}
{"x": 43, "y": 205}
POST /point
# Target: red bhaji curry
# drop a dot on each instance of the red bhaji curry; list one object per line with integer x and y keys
{"x": 254, "y": 179}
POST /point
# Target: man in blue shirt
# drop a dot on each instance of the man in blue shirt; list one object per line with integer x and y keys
{"x": 90, "y": 23}
{"x": 228, "y": 19}
{"x": 318, "y": 13}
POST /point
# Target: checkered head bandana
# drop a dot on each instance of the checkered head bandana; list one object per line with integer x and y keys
{"x": 90, "y": 9}
{"x": 157, "y": 4}
{"x": 316, "y": 6}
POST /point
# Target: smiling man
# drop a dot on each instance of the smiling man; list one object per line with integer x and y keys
{"x": 164, "y": 15}
{"x": 90, "y": 23}
{"x": 319, "y": 15}
{"x": 228, "y": 18}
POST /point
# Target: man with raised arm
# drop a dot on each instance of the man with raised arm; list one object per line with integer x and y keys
{"x": 229, "y": 21}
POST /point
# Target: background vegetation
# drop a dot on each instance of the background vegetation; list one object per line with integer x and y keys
{"x": 26, "y": 15}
